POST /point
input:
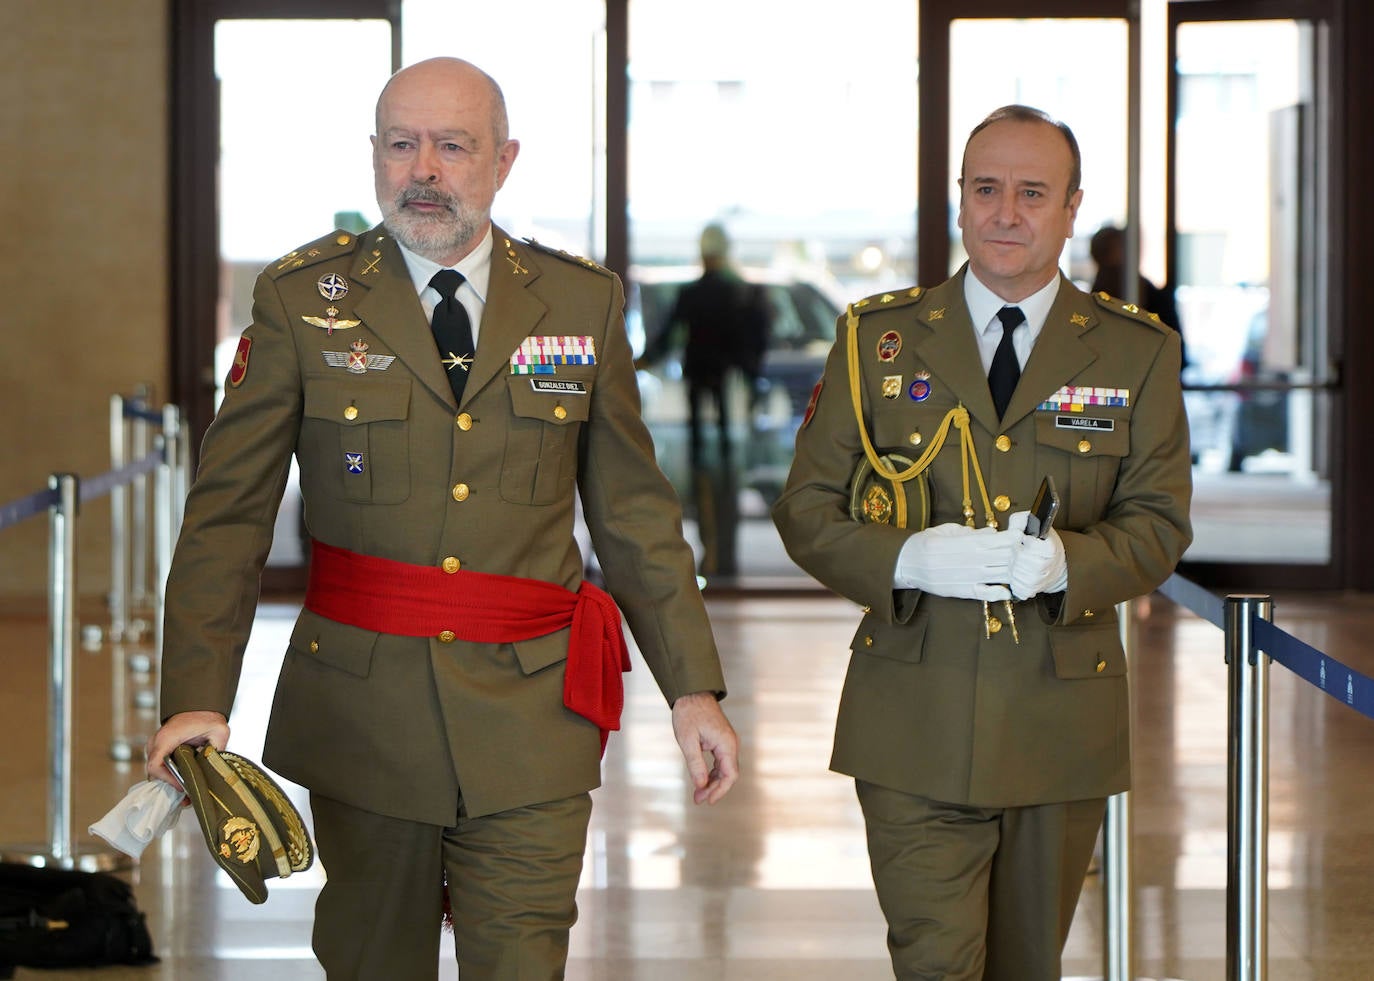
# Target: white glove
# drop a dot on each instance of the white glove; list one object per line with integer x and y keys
{"x": 145, "y": 813}
{"x": 1038, "y": 565}
{"x": 957, "y": 561}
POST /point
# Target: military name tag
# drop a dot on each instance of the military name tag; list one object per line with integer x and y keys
{"x": 558, "y": 386}
{"x": 1085, "y": 422}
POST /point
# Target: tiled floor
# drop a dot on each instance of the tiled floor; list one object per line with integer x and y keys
{"x": 773, "y": 883}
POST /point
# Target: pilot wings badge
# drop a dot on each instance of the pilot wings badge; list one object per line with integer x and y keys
{"x": 357, "y": 360}
{"x": 330, "y": 321}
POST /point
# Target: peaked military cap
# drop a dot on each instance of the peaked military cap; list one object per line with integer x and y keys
{"x": 253, "y": 830}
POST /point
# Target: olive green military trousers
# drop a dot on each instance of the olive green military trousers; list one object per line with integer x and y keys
{"x": 974, "y": 893}
{"x": 512, "y": 882}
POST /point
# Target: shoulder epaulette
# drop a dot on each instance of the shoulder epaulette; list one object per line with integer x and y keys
{"x": 336, "y": 243}
{"x": 1119, "y": 306}
{"x": 567, "y": 256}
{"x": 892, "y": 298}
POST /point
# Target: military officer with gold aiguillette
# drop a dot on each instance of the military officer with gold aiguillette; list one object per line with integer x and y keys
{"x": 448, "y": 392}
{"x": 985, "y": 712}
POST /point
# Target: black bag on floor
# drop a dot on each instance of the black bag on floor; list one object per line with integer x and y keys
{"x": 60, "y": 918}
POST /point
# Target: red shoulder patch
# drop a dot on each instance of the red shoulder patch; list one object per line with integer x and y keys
{"x": 238, "y": 371}
{"x": 811, "y": 405}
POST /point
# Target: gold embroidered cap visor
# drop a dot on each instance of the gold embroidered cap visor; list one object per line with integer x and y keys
{"x": 253, "y": 830}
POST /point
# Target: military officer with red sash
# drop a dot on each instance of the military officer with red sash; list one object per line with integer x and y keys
{"x": 449, "y": 392}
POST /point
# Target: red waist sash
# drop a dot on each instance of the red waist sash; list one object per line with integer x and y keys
{"x": 424, "y": 601}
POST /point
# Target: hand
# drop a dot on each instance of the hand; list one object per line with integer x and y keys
{"x": 701, "y": 727}
{"x": 958, "y": 561}
{"x": 1038, "y": 565}
{"x": 196, "y": 728}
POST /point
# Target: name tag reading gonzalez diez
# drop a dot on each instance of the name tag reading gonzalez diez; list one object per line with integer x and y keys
{"x": 543, "y": 354}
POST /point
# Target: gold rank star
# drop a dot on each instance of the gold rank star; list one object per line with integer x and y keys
{"x": 463, "y": 361}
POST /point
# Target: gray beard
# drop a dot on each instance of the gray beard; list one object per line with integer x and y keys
{"x": 434, "y": 237}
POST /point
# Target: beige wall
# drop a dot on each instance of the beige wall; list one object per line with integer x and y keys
{"x": 83, "y": 188}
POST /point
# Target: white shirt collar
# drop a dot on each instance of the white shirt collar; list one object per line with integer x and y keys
{"x": 983, "y": 305}
{"x": 475, "y": 267}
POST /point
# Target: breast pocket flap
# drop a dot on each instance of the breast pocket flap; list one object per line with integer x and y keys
{"x": 357, "y": 402}
{"x": 338, "y": 645}
{"x": 1088, "y": 652}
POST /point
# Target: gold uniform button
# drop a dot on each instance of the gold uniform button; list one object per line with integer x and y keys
{"x": 560, "y": 413}
{"x": 1084, "y": 446}
{"x": 994, "y": 625}
{"x": 351, "y": 413}
{"x": 1101, "y": 665}
{"x": 1003, "y": 443}
{"x": 343, "y": 239}
{"x": 914, "y": 439}
{"x": 451, "y": 565}
{"x": 447, "y": 636}
{"x": 464, "y": 421}
{"x": 461, "y": 492}
{"x": 1001, "y": 502}
{"x": 1088, "y": 613}
{"x": 314, "y": 647}
{"x": 868, "y": 641}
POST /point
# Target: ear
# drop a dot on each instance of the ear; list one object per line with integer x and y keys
{"x": 1074, "y": 202}
{"x": 505, "y": 160}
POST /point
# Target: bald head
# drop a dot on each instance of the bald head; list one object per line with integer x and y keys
{"x": 438, "y": 79}
{"x": 440, "y": 155}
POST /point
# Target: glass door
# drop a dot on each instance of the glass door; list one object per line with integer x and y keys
{"x": 799, "y": 148}
{"x": 295, "y": 161}
{"x": 1248, "y": 226}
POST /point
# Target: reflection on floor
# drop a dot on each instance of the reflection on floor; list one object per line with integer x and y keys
{"x": 773, "y": 883}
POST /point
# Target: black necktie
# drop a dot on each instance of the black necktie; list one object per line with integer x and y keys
{"x": 1005, "y": 369}
{"x": 452, "y": 330}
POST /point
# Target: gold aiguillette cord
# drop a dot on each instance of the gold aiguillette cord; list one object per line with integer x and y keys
{"x": 960, "y": 418}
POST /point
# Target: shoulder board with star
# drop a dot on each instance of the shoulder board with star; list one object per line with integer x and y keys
{"x": 890, "y": 298}
{"x": 333, "y": 245}
{"x": 1120, "y": 307}
{"x": 567, "y": 256}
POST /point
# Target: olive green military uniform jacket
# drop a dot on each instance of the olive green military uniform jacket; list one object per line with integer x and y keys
{"x": 934, "y": 705}
{"x": 391, "y": 467}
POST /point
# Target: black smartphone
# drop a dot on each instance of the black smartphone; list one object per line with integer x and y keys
{"x": 1043, "y": 509}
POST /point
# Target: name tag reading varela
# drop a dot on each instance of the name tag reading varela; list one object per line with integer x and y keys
{"x": 1085, "y": 422}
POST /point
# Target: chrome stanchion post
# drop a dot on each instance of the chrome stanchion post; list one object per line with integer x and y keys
{"x": 181, "y": 466}
{"x": 119, "y": 528}
{"x": 61, "y": 618}
{"x": 59, "y": 850}
{"x": 1118, "y": 949}
{"x": 1247, "y": 791}
{"x": 141, "y": 441}
{"x": 119, "y": 585}
{"x": 162, "y": 537}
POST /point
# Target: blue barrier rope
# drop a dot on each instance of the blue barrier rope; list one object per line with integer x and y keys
{"x": 1316, "y": 668}
{"x": 1191, "y": 596}
{"x": 103, "y": 484}
{"x": 134, "y": 411}
{"x": 1342, "y": 683}
{"x": 26, "y": 507}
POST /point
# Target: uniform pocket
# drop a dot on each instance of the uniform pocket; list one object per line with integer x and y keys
{"x": 547, "y": 412}
{"x": 538, "y": 653}
{"x": 355, "y": 438}
{"x": 1088, "y": 652}
{"x": 338, "y": 645}
{"x": 898, "y": 642}
{"x": 1090, "y": 447}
